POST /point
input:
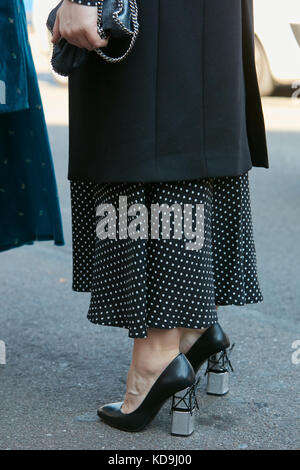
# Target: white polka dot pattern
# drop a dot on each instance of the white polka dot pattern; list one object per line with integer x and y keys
{"x": 137, "y": 284}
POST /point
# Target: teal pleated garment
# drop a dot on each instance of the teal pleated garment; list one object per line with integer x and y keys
{"x": 29, "y": 206}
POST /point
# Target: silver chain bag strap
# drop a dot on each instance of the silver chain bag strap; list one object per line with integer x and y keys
{"x": 118, "y": 19}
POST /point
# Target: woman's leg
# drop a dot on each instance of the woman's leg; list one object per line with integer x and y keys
{"x": 150, "y": 356}
{"x": 189, "y": 336}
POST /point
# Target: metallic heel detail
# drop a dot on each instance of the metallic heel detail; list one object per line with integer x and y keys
{"x": 218, "y": 366}
{"x": 183, "y": 408}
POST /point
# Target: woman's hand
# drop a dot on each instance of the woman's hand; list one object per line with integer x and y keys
{"x": 78, "y": 25}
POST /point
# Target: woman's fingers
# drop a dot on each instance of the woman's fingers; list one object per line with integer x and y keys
{"x": 78, "y": 25}
{"x": 85, "y": 39}
{"x": 94, "y": 39}
{"x": 56, "y": 34}
{"x": 77, "y": 38}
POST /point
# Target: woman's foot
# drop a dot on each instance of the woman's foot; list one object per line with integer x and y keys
{"x": 142, "y": 375}
{"x": 178, "y": 375}
{"x": 150, "y": 356}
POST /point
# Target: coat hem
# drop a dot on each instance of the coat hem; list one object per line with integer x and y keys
{"x": 31, "y": 241}
{"x": 190, "y": 174}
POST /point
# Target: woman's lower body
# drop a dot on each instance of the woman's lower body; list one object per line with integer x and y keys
{"x": 164, "y": 289}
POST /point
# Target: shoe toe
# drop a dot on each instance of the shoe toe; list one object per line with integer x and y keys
{"x": 110, "y": 411}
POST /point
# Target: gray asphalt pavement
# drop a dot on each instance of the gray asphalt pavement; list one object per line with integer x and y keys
{"x": 60, "y": 367}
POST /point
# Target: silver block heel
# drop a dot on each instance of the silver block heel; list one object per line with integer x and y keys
{"x": 184, "y": 404}
{"x": 217, "y": 372}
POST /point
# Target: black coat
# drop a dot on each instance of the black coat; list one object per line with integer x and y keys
{"x": 184, "y": 105}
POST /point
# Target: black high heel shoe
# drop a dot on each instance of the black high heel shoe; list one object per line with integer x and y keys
{"x": 212, "y": 342}
{"x": 211, "y": 347}
{"x": 178, "y": 375}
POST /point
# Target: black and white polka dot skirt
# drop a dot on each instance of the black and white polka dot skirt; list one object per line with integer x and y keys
{"x": 147, "y": 282}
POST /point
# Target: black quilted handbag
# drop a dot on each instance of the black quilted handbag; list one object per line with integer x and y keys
{"x": 116, "y": 18}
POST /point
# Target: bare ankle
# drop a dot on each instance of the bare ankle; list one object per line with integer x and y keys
{"x": 154, "y": 362}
